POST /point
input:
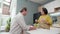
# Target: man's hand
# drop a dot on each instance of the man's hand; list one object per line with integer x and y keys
{"x": 32, "y": 28}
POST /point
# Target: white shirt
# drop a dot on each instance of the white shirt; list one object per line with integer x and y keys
{"x": 18, "y": 25}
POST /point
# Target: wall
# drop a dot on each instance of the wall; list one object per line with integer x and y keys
{"x": 50, "y": 6}
{"x": 13, "y": 8}
{"x": 32, "y": 8}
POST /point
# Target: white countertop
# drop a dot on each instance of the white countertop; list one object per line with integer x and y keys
{"x": 52, "y": 30}
{"x": 4, "y": 32}
{"x": 45, "y": 31}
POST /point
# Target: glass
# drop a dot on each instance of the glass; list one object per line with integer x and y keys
{"x": 0, "y": 4}
{"x": 7, "y": 0}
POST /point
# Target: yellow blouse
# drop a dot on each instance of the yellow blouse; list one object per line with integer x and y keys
{"x": 47, "y": 18}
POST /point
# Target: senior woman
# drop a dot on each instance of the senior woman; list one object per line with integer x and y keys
{"x": 44, "y": 20}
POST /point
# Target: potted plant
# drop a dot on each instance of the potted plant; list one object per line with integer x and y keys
{"x": 8, "y": 25}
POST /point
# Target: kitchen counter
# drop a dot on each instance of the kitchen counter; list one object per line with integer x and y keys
{"x": 53, "y": 30}
{"x": 45, "y": 31}
{"x": 4, "y": 32}
{"x": 41, "y": 31}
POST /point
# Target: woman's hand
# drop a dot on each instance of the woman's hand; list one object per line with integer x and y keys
{"x": 36, "y": 20}
{"x": 42, "y": 20}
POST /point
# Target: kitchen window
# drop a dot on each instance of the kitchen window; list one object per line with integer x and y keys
{"x": 4, "y": 13}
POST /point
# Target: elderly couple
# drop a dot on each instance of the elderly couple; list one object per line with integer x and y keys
{"x": 18, "y": 25}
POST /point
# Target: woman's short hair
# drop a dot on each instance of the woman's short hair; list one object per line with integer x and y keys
{"x": 45, "y": 10}
{"x": 24, "y": 9}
